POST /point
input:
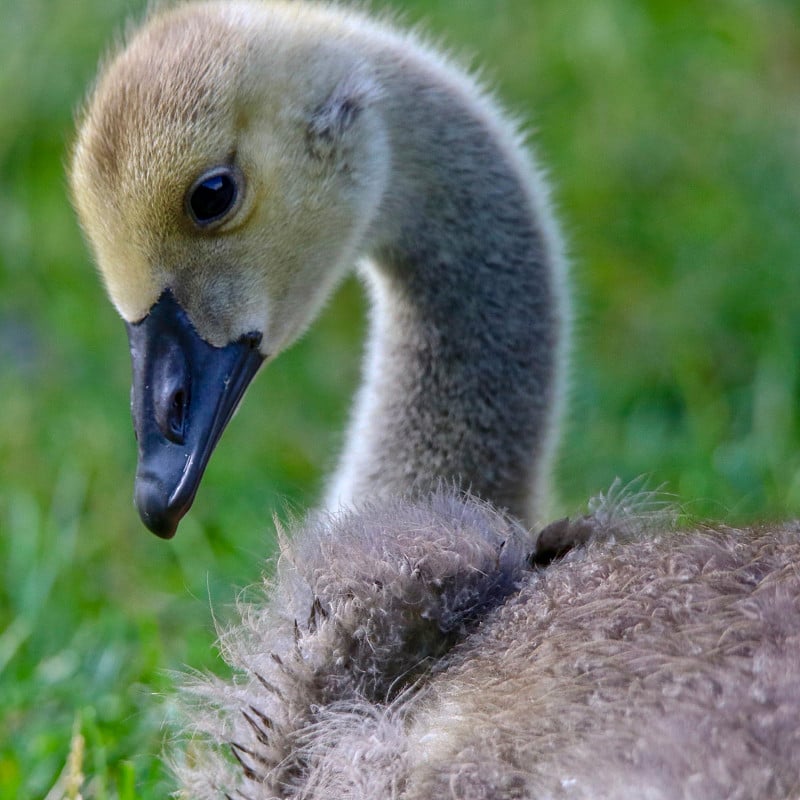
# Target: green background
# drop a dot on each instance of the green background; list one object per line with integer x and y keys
{"x": 672, "y": 133}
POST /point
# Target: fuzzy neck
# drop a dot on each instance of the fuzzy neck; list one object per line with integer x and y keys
{"x": 462, "y": 374}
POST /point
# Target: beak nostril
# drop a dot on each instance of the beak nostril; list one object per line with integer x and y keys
{"x": 176, "y": 417}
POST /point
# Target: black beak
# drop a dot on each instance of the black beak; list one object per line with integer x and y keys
{"x": 183, "y": 395}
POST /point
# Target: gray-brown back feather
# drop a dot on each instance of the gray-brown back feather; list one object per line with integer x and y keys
{"x": 412, "y": 651}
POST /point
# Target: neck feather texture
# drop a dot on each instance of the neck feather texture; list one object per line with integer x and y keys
{"x": 464, "y": 365}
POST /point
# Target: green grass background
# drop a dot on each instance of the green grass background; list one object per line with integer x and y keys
{"x": 672, "y": 132}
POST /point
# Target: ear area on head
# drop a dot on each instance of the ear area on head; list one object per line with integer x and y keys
{"x": 333, "y": 119}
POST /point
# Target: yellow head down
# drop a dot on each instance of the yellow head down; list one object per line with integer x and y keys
{"x": 228, "y": 165}
{"x": 268, "y": 102}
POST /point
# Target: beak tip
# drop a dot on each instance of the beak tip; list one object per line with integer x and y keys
{"x": 154, "y": 509}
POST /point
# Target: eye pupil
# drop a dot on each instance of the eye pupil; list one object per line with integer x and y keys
{"x": 213, "y": 197}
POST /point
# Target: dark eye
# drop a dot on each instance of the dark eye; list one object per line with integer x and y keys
{"x": 213, "y": 196}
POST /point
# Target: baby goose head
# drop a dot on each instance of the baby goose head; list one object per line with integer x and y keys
{"x": 225, "y": 173}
